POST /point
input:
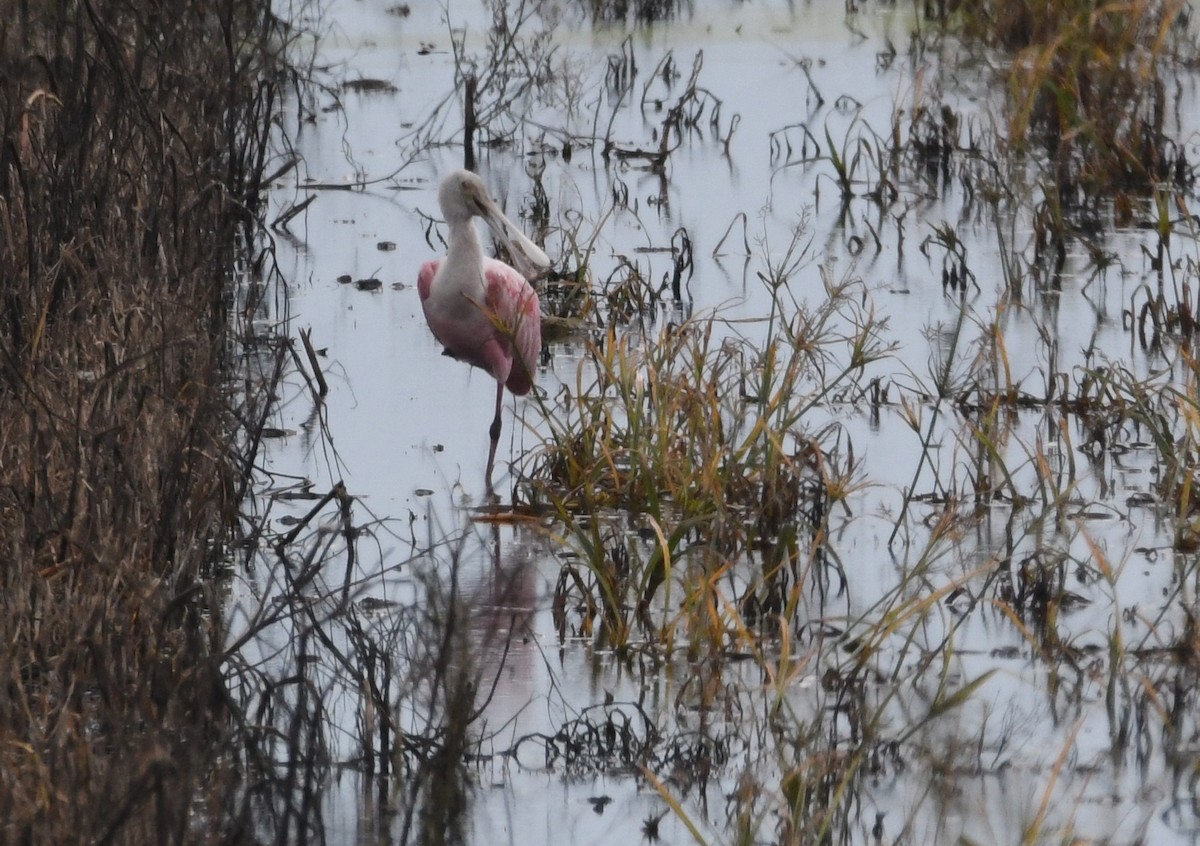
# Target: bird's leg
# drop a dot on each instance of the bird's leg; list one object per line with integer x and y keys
{"x": 494, "y": 432}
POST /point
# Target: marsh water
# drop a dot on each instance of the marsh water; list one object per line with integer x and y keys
{"x": 979, "y": 729}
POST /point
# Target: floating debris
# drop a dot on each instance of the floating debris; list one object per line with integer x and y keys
{"x": 367, "y": 85}
{"x": 305, "y": 494}
{"x": 372, "y": 604}
{"x": 556, "y": 328}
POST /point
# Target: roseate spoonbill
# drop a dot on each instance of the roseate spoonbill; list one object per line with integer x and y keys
{"x": 481, "y": 310}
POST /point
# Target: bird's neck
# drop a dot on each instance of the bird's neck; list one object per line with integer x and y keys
{"x": 464, "y": 259}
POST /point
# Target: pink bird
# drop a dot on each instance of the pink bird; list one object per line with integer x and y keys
{"x": 481, "y": 310}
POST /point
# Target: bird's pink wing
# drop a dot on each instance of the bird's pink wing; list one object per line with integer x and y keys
{"x": 515, "y": 305}
{"x": 425, "y": 277}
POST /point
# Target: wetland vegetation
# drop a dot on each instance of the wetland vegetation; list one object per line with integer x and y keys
{"x": 135, "y": 140}
{"x": 856, "y": 504}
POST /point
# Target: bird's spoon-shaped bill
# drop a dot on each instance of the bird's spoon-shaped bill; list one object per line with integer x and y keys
{"x": 528, "y": 257}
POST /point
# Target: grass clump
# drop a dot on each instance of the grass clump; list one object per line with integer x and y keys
{"x": 711, "y": 441}
{"x": 133, "y": 147}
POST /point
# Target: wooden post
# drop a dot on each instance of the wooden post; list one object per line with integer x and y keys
{"x": 469, "y": 121}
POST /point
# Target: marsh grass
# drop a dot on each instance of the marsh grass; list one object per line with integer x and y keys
{"x": 1088, "y": 89}
{"x": 127, "y": 187}
{"x": 702, "y": 436}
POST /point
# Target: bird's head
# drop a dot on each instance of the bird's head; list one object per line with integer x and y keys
{"x": 462, "y": 195}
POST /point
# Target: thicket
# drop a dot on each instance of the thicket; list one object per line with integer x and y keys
{"x": 133, "y": 141}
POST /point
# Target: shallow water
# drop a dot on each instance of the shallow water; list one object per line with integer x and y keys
{"x": 405, "y": 427}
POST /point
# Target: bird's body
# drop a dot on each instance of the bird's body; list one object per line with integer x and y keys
{"x": 482, "y": 311}
{"x": 495, "y": 327}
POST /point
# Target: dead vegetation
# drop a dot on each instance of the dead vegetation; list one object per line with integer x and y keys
{"x": 133, "y": 145}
